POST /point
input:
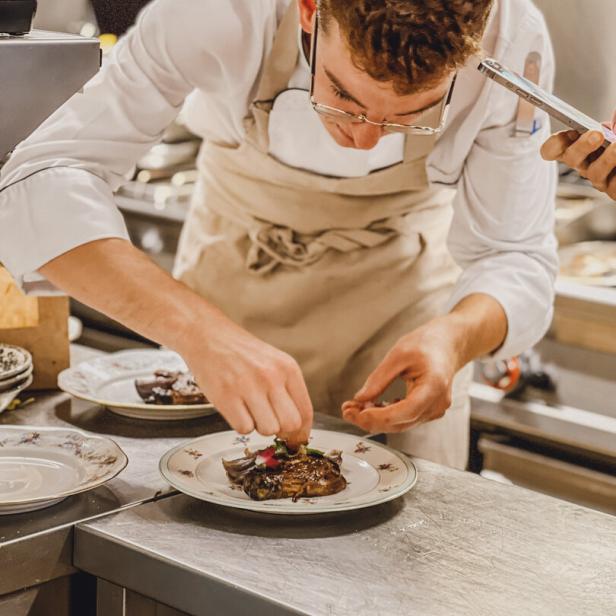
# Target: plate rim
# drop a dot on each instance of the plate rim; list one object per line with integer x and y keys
{"x": 15, "y": 392}
{"x": 127, "y": 405}
{"x": 250, "y": 505}
{"x": 16, "y": 371}
{"x": 16, "y": 381}
{"x": 65, "y": 493}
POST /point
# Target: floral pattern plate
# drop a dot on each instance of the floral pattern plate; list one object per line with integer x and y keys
{"x": 39, "y": 467}
{"x": 13, "y": 361}
{"x": 375, "y": 473}
{"x": 110, "y": 381}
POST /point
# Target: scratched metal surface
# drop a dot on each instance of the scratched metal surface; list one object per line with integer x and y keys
{"x": 37, "y": 546}
{"x": 457, "y": 544}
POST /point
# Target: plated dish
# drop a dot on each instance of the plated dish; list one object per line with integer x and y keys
{"x": 372, "y": 473}
{"x": 280, "y": 472}
{"x": 110, "y": 381}
{"x": 170, "y": 388}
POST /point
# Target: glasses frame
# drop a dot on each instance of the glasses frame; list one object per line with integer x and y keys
{"x": 347, "y": 116}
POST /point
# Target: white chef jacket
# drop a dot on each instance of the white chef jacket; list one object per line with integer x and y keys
{"x": 56, "y": 190}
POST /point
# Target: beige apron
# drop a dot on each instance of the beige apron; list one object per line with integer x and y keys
{"x": 331, "y": 270}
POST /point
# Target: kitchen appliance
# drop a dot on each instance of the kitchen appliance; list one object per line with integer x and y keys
{"x": 39, "y": 71}
{"x": 16, "y": 16}
{"x": 559, "y": 440}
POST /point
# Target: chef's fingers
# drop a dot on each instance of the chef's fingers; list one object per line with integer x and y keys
{"x": 238, "y": 417}
{"x": 296, "y": 386}
{"x": 611, "y": 187}
{"x": 599, "y": 171}
{"x": 289, "y": 417}
{"x": 613, "y": 123}
{"x": 351, "y": 413}
{"x": 353, "y": 404}
{"x": 262, "y": 413}
{"x": 385, "y": 373}
{"x": 424, "y": 402}
{"x": 576, "y": 155}
{"x": 557, "y": 144}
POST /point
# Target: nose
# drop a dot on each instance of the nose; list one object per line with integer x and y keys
{"x": 365, "y": 136}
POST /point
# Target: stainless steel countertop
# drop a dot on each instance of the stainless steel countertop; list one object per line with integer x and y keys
{"x": 456, "y": 544}
{"x": 36, "y": 547}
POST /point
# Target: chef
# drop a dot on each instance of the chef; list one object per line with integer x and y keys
{"x": 365, "y": 219}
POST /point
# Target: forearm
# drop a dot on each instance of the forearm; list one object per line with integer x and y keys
{"x": 114, "y": 277}
{"x": 478, "y": 326}
{"x": 240, "y": 374}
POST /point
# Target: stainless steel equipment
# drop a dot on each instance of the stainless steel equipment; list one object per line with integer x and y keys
{"x": 16, "y": 16}
{"x": 559, "y": 441}
{"x": 39, "y": 71}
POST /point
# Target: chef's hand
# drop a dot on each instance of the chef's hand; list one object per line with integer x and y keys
{"x": 580, "y": 152}
{"x": 428, "y": 360}
{"x": 252, "y": 384}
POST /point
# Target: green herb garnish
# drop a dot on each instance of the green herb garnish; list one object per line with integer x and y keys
{"x": 280, "y": 449}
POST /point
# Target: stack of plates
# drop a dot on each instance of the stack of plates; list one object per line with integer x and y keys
{"x": 15, "y": 373}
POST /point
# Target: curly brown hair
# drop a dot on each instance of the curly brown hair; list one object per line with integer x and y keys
{"x": 412, "y": 44}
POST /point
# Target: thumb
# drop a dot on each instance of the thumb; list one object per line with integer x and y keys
{"x": 386, "y": 372}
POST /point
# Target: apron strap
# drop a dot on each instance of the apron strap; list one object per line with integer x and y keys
{"x": 282, "y": 61}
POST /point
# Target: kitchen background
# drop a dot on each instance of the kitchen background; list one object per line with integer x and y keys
{"x": 556, "y": 430}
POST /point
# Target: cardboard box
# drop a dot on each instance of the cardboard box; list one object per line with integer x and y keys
{"x": 38, "y": 324}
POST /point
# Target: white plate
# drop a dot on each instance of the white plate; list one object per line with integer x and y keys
{"x": 602, "y": 254}
{"x": 39, "y": 467}
{"x": 13, "y": 360}
{"x": 15, "y": 381}
{"x": 375, "y": 473}
{"x": 6, "y": 397}
{"x": 110, "y": 381}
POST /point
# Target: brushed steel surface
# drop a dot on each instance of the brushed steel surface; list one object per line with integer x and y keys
{"x": 37, "y": 546}
{"x": 456, "y": 544}
{"x": 38, "y": 73}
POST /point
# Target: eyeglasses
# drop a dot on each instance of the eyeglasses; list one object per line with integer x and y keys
{"x": 353, "y": 118}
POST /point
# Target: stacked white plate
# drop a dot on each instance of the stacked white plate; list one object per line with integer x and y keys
{"x": 15, "y": 373}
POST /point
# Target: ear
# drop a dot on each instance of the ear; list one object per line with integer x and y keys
{"x": 307, "y": 9}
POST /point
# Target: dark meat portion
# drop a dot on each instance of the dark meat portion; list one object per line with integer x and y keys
{"x": 296, "y": 476}
{"x": 170, "y": 388}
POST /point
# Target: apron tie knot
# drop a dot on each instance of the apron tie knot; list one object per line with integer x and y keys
{"x": 272, "y": 245}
